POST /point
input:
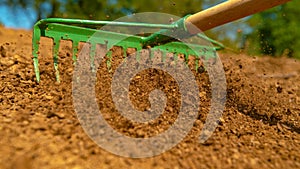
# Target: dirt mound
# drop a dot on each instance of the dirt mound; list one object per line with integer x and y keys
{"x": 39, "y": 129}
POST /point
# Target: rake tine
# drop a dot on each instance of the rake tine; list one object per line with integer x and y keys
{"x": 109, "y": 60}
{"x": 92, "y": 56}
{"x": 35, "y": 52}
{"x": 164, "y": 56}
{"x": 186, "y": 57}
{"x": 138, "y": 54}
{"x": 156, "y": 57}
{"x": 124, "y": 55}
{"x": 197, "y": 59}
{"x": 75, "y": 51}
{"x": 125, "y": 52}
{"x": 169, "y": 59}
{"x": 175, "y": 56}
{"x": 55, "y": 51}
{"x": 151, "y": 52}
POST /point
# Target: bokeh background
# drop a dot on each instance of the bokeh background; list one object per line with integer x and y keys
{"x": 274, "y": 32}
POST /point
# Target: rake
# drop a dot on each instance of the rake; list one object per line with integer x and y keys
{"x": 167, "y": 39}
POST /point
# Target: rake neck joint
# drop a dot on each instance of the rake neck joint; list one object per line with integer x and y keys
{"x": 177, "y": 33}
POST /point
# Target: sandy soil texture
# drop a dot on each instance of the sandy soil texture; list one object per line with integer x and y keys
{"x": 260, "y": 127}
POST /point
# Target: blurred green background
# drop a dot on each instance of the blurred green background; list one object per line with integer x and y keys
{"x": 274, "y": 32}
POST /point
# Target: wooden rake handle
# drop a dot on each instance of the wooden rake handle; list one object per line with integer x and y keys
{"x": 228, "y": 11}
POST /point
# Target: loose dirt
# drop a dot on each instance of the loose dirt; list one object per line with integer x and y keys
{"x": 39, "y": 128}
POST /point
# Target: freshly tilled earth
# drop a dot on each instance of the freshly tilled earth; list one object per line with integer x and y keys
{"x": 39, "y": 128}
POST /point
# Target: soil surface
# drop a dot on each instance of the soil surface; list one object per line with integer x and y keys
{"x": 260, "y": 126}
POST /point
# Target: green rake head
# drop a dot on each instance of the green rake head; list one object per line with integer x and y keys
{"x": 77, "y": 31}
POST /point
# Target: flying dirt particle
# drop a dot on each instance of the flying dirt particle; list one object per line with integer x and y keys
{"x": 279, "y": 89}
{"x": 2, "y": 51}
{"x": 288, "y": 112}
{"x": 201, "y": 69}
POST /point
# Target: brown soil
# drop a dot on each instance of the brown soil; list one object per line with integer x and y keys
{"x": 260, "y": 126}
